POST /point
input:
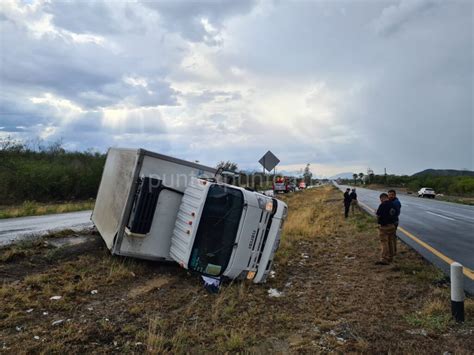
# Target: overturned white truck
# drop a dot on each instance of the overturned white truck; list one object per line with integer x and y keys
{"x": 156, "y": 207}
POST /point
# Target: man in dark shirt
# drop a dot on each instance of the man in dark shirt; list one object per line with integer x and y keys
{"x": 353, "y": 196}
{"x": 392, "y": 196}
{"x": 386, "y": 220}
{"x": 347, "y": 202}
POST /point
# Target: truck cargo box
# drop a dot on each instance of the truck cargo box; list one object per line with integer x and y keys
{"x": 139, "y": 198}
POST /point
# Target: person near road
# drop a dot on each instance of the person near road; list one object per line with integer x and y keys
{"x": 347, "y": 202}
{"x": 353, "y": 196}
{"x": 386, "y": 220}
{"x": 392, "y": 196}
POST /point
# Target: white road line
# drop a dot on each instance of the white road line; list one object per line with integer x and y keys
{"x": 457, "y": 215}
{"x": 440, "y": 215}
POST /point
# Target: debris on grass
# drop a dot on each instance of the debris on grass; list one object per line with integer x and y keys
{"x": 417, "y": 332}
{"x": 273, "y": 292}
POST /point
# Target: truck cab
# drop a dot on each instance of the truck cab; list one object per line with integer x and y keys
{"x": 227, "y": 231}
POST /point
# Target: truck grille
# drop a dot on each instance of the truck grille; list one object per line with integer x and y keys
{"x": 259, "y": 241}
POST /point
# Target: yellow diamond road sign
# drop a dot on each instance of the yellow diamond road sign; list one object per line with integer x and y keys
{"x": 269, "y": 161}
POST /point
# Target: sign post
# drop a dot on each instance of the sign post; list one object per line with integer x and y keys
{"x": 269, "y": 161}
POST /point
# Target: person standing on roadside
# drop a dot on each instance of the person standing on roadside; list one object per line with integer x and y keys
{"x": 353, "y": 196}
{"x": 386, "y": 220}
{"x": 347, "y": 202}
{"x": 392, "y": 196}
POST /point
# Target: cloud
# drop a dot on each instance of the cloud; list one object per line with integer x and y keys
{"x": 198, "y": 21}
{"x": 335, "y": 84}
{"x": 395, "y": 16}
{"x": 95, "y": 16}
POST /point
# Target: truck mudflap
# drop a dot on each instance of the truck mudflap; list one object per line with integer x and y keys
{"x": 272, "y": 244}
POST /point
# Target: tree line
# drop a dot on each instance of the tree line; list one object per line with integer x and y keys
{"x": 450, "y": 185}
{"x": 41, "y": 172}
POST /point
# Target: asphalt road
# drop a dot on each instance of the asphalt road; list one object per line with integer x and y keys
{"x": 23, "y": 227}
{"x": 440, "y": 231}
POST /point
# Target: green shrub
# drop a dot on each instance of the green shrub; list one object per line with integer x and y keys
{"x": 47, "y": 173}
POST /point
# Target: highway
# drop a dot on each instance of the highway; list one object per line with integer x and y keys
{"x": 442, "y": 232}
{"x": 23, "y": 227}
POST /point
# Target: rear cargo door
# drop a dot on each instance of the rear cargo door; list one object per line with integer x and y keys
{"x": 114, "y": 190}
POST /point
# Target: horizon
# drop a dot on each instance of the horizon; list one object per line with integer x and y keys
{"x": 38, "y": 144}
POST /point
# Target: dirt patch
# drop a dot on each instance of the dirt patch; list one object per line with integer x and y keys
{"x": 331, "y": 297}
{"x": 34, "y": 256}
{"x": 149, "y": 286}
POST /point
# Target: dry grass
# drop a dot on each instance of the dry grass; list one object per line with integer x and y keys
{"x": 333, "y": 298}
{"x": 32, "y": 208}
{"x": 19, "y": 250}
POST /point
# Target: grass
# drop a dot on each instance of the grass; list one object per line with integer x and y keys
{"x": 434, "y": 316}
{"x": 32, "y": 208}
{"x": 423, "y": 273}
{"x": 20, "y": 250}
{"x": 334, "y": 298}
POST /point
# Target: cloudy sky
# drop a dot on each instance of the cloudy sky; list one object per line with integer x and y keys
{"x": 343, "y": 85}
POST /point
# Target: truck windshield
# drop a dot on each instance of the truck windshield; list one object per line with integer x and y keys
{"x": 217, "y": 230}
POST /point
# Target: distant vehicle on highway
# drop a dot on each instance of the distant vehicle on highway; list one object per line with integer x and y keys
{"x": 426, "y": 192}
{"x": 283, "y": 184}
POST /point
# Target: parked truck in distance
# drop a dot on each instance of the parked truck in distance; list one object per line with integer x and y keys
{"x": 156, "y": 207}
{"x": 283, "y": 184}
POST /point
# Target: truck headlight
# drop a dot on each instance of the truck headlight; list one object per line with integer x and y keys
{"x": 269, "y": 206}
